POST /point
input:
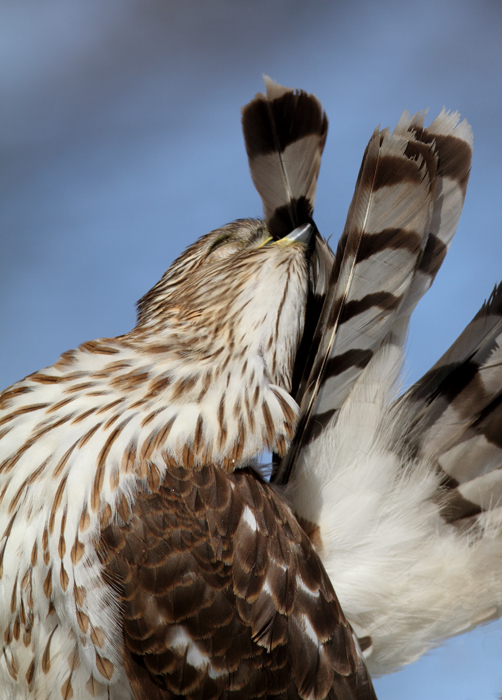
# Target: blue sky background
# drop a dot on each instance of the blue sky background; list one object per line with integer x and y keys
{"x": 121, "y": 144}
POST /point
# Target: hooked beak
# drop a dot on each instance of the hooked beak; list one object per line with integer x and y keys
{"x": 301, "y": 234}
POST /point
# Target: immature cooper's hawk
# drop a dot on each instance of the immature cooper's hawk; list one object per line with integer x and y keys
{"x": 141, "y": 556}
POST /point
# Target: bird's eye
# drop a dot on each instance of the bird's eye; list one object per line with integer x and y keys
{"x": 229, "y": 243}
{"x": 219, "y": 240}
{"x": 224, "y": 246}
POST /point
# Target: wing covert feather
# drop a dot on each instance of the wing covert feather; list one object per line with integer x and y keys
{"x": 223, "y": 592}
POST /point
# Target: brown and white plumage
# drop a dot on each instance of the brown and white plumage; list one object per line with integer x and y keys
{"x": 284, "y": 128}
{"x": 284, "y": 132}
{"x": 402, "y": 217}
{"x": 214, "y": 566}
{"x": 140, "y": 556}
{"x": 402, "y": 497}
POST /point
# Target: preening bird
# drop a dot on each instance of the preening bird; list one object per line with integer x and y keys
{"x": 142, "y": 554}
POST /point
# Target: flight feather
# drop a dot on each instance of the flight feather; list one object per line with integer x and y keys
{"x": 284, "y": 132}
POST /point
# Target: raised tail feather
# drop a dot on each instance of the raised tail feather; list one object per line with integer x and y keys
{"x": 383, "y": 488}
{"x": 453, "y": 143}
{"x": 405, "y": 209}
{"x": 285, "y": 131}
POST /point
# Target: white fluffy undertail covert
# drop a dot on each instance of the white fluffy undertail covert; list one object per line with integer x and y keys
{"x": 404, "y": 577}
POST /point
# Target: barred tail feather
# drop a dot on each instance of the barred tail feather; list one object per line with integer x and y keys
{"x": 408, "y": 570}
{"x": 409, "y": 528}
{"x": 453, "y": 143}
{"x": 454, "y": 416}
{"x": 285, "y": 131}
{"x": 371, "y": 298}
{"x": 381, "y": 246}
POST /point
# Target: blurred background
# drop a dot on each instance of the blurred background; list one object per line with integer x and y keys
{"x": 121, "y": 144}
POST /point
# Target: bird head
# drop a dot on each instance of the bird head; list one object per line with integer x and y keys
{"x": 235, "y": 294}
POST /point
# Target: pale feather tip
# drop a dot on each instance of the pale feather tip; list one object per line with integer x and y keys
{"x": 274, "y": 89}
{"x": 448, "y": 123}
{"x": 407, "y": 123}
